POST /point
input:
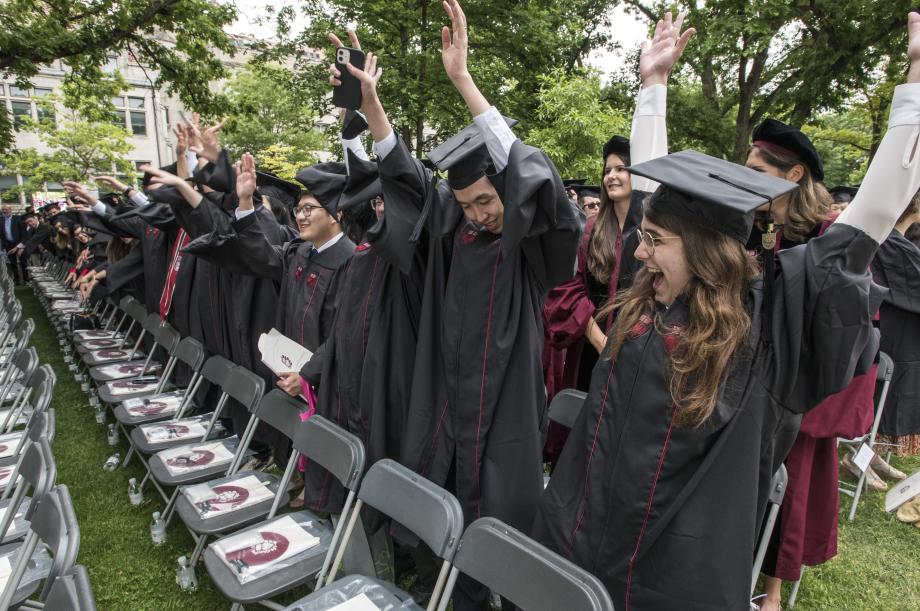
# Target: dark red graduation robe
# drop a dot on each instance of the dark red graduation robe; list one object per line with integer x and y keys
{"x": 665, "y": 515}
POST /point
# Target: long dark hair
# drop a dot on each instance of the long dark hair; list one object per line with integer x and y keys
{"x": 602, "y": 253}
{"x": 357, "y": 220}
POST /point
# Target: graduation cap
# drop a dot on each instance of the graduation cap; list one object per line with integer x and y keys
{"x": 786, "y": 140}
{"x": 325, "y": 182}
{"x": 353, "y": 125}
{"x": 571, "y": 183}
{"x": 464, "y": 157}
{"x": 617, "y": 145}
{"x": 51, "y": 206}
{"x": 363, "y": 183}
{"x": 843, "y": 194}
{"x": 586, "y": 191}
{"x": 171, "y": 168}
{"x": 278, "y": 188}
{"x": 710, "y": 192}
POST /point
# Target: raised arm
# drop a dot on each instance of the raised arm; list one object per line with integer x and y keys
{"x": 894, "y": 174}
{"x": 649, "y": 136}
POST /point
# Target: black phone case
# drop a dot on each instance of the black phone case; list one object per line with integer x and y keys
{"x": 348, "y": 94}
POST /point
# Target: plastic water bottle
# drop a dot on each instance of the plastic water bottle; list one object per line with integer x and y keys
{"x": 84, "y": 385}
{"x": 185, "y": 576}
{"x": 135, "y": 494}
{"x": 158, "y": 529}
{"x": 100, "y": 414}
{"x": 112, "y": 435}
{"x": 112, "y": 462}
{"x": 93, "y": 400}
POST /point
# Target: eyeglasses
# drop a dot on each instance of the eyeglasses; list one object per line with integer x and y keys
{"x": 306, "y": 210}
{"x": 591, "y": 206}
{"x": 377, "y": 202}
{"x": 651, "y": 241}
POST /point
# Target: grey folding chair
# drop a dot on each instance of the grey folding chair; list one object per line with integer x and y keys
{"x": 14, "y": 378}
{"x": 524, "y": 572}
{"x": 342, "y": 455}
{"x": 565, "y": 406}
{"x": 94, "y": 358}
{"x": 54, "y": 525}
{"x": 429, "y": 511}
{"x": 243, "y": 386}
{"x": 107, "y": 332}
{"x": 71, "y": 592}
{"x": 774, "y": 502}
{"x": 282, "y": 413}
{"x": 883, "y": 377}
{"x": 24, "y": 404}
{"x": 116, "y": 391}
{"x": 38, "y": 472}
{"x": 36, "y": 426}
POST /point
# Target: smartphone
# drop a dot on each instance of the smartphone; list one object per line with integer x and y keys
{"x": 348, "y": 94}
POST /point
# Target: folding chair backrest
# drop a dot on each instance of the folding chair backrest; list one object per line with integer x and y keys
{"x": 124, "y": 304}
{"x": 426, "y": 509}
{"x": 281, "y": 412}
{"x": 778, "y": 486}
{"x": 331, "y": 447}
{"x": 26, "y": 361}
{"x": 245, "y": 387}
{"x": 71, "y": 592}
{"x": 885, "y": 367}
{"x": 58, "y": 530}
{"x": 565, "y": 406}
{"x": 525, "y": 572}
{"x": 167, "y": 337}
{"x": 152, "y": 324}
{"x": 191, "y": 352}
{"x": 217, "y": 370}
{"x": 137, "y": 311}
{"x": 38, "y": 472}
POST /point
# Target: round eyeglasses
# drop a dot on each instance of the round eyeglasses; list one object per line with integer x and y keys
{"x": 650, "y": 241}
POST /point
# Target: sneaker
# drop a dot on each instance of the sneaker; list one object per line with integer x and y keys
{"x": 256, "y": 463}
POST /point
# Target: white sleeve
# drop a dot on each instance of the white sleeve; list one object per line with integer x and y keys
{"x": 894, "y": 174}
{"x": 99, "y": 208}
{"x": 649, "y": 136}
{"x": 191, "y": 159}
{"x": 241, "y": 214}
{"x": 354, "y": 145}
{"x": 497, "y": 135}
{"x": 139, "y": 198}
{"x": 385, "y": 146}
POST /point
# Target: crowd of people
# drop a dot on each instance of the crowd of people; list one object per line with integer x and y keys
{"x": 723, "y": 319}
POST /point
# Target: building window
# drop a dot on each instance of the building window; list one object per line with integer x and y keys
{"x": 42, "y": 112}
{"x": 7, "y": 183}
{"x": 131, "y": 113}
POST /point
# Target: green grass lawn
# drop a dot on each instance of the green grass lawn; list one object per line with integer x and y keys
{"x": 878, "y": 566}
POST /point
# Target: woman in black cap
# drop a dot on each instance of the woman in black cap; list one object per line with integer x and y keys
{"x": 661, "y": 486}
{"x": 574, "y": 335}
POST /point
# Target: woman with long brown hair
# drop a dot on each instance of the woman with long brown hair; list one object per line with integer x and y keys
{"x": 574, "y": 334}
{"x": 661, "y": 486}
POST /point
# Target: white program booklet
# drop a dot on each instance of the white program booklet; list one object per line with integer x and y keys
{"x": 163, "y": 404}
{"x": 186, "y": 459}
{"x": 176, "y": 431}
{"x": 282, "y": 354}
{"x": 901, "y": 492}
{"x": 130, "y": 387}
{"x": 8, "y": 444}
{"x": 359, "y": 603}
{"x": 258, "y": 550}
{"x": 217, "y": 499}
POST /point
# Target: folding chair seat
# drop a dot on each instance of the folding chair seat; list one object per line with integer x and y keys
{"x": 166, "y": 403}
{"x": 342, "y": 455}
{"x": 429, "y": 511}
{"x": 117, "y": 391}
{"x": 205, "y": 460}
{"x": 54, "y": 525}
{"x": 121, "y": 311}
{"x": 222, "y": 505}
{"x": 38, "y": 472}
{"x": 71, "y": 592}
{"x": 19, "y": 412}
{"x": 149, "y": 324}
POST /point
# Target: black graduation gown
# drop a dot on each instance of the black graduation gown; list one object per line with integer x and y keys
{"x": 41, "y": 237}
{"x": 308, "y": 284}
{"x": 897, "y": 266}
{"x": 478, "y": 398}
{"x": 666, "y": 516}
{"x": 126, "y": 274}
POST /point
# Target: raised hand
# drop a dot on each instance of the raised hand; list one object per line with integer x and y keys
{"x": 245, "y": 180}
{"x": 111, "y": 182}
{"x": 162, "y": 177}
{"x": 454, "y": 42}
{"x": 913, "y": 46}
{"x": 369, "y": 77}
{"x": 206, "y": 142}
{"x": 181, "y": 140}
{"x": 660, "y": 55}
{"x": 81, "y": 192}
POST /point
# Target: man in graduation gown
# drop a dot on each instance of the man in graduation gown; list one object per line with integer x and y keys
{"x": 496, "y": 237}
